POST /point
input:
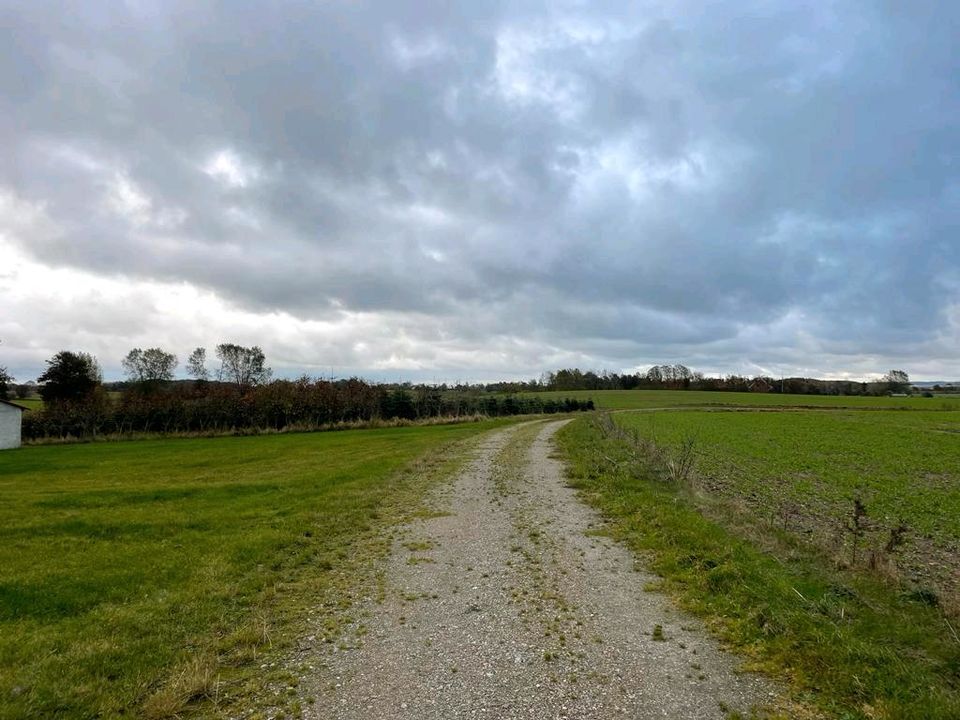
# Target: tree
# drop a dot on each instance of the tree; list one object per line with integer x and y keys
{"x": 242, "y": 366}
{"x": 197, "y": 364}
{"x": 149, "y": 367}
{"x": 70, "y": 376}
{"x": 6, "y": 379}
{"x": 897, "y": 381}
{"x": 25, "y": 390}
{"x": 671, "y": 375}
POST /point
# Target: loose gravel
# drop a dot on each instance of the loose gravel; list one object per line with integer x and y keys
{"x": 508, "y": 602}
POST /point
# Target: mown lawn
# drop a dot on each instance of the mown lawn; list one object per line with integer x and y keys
{"x": 849, "y": 641}
{"x": 138, "y": 577}
{"x": 640, "y": 399}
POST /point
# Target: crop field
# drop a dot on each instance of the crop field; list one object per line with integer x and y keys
{"x": 139, "y": 575}
{"x": 650, "y": 399}
{"x": 803, "y": 470}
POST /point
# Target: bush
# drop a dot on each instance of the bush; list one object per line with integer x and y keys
{"x": 278, "y": 405}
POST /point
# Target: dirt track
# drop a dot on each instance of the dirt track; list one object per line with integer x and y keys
{"x": 507, "y": 605}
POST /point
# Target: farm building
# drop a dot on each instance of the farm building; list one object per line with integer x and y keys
{"x": 760, "y": 385}
{"x": 10, "y": 418}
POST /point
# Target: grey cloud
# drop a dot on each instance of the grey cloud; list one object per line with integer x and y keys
{"x": 615, "y": 183}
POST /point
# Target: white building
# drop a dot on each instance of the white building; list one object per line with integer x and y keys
{"x": 10, "y": 418}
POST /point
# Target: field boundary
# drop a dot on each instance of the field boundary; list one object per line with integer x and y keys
{"x": 256, "y": 432}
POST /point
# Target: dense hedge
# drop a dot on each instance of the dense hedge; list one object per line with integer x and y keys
{"x": 276, "y": 405}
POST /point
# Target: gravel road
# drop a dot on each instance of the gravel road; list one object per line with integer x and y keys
{"x": 508, "y": 604}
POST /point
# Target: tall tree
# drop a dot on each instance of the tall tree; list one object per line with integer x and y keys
{"x": 245, "y": 367}
{"x": 152, "y": 366}
{"x": 897, "y": 381}
{"x": 70, "y": 376}
{"x": 197, "y": 364}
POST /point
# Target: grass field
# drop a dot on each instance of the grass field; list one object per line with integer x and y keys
{"x": 139, "y": 576}
{"x": 144, "y": 577}
{"x": 36, "y": 403}
{"x": 757, "y": 541}
{"x": 646, "y": 399}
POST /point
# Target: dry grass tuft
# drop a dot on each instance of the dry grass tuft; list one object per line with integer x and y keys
{"x": 193, "y": 680}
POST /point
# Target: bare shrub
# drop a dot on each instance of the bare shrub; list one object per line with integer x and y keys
{"x": 680, "y": 466}
{"x": 857, "y": 526}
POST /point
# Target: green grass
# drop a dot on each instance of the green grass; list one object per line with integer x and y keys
{"x": 647, "y": 399}
{"x": 804, "y": 469}
{"x": 137, "y": 576}
{"x": 846, "y": 642}
{"x": 36, "y": 403}
{"x": 905, "y": 464}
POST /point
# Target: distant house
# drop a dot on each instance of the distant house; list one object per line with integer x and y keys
{"x": 11, "y": 416}
{"x": 760, "y": 385}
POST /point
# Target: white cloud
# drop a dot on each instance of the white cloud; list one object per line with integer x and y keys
{"x": 231, "y": 170}
{"x": 521, "y": 77}
{"x": 411, "y": 52}
{"x": 128, "y": 201}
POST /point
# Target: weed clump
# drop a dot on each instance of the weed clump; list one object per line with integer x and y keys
{"x": 677, "y": 466}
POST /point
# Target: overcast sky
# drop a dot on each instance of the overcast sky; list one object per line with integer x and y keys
{"x": 479, "y": 190}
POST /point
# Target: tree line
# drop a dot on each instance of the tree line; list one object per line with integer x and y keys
{"x": 239, "y": 395}
{"x": 246, "y": 367}
{"x": 680, "y": 377}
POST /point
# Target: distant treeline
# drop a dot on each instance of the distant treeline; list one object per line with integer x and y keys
{"x": 680, "y": 377}
{"x": 239, "y": 394}
{"x": 216, "y": 407}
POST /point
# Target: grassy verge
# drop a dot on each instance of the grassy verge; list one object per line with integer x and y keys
{"x": 143, "y": 578}
{"x": 843, "y": 641}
